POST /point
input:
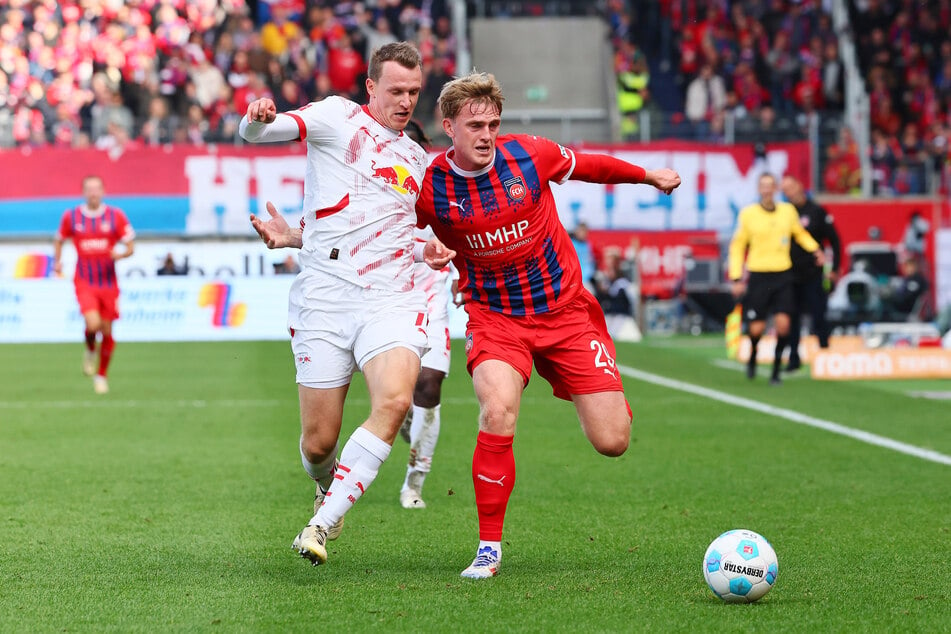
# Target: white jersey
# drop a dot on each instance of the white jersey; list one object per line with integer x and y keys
{"x": 360, "y": 192}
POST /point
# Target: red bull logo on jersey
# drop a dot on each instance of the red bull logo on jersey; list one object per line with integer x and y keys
{"x": 33, "y": 266}
{"x": 397, "y": 177}
{"x": 226, "y": 314}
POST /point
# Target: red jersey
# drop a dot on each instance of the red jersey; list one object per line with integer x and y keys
{"x": 513, "y": 254}
{"x": 95, "y": 234}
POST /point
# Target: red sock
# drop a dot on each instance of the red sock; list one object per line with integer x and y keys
{"x": 493, "y": 477}
{"x": 90, "y": 340}
{"x": 105, "y": 353}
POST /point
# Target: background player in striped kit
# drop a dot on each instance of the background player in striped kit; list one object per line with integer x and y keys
{"x": 95, "y": 229}
{"x": 489, "y": 198}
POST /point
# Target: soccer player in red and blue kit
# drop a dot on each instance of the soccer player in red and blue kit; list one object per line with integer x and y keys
{"x": 95, "y": 229}
{"x": 489, "y": 199}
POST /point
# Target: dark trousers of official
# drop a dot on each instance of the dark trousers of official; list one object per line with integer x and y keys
{"x": 808, "y": 295}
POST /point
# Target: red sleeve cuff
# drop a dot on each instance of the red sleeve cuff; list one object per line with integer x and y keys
{"x": 301, "y": 128}
{"x": 601, "y": 168}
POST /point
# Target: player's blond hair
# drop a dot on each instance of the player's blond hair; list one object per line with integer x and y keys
{"x": 474, "y": 88}
{"x": 403, "y": 53}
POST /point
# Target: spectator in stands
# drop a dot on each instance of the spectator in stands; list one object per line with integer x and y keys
{"x": 904, "y": 298}
{"x": 224, "y": 119}
{"x": 833, "y": 76}
{"x": 884, "y": 151}
{"x": 579, "y": 239}
{"x": 749, "y": 92}
{"x": 783, "y": 67}
{"x": 159, "y": 128}
{"x": 289, "y": 96}
{"x": 633, "y": 78}
{"x": 196, "y": 130}
{"x": 278, "y": 31}
{"x": 101, "y": 57}
{"x": 613, "y": 291}
{"x": 843, "y": 173}
{"x": 910, "y": 173}
{"x": 345, "y": 66}
{"x": 287, "y": 266}
{"x": 169, "y": 267}
{"x": 205, "y": 76}
{"x": 914, "y": 238}
{"x": 376, "y": 31}
{"x": 706, "y": 97}
{"x": 884, "y": 117}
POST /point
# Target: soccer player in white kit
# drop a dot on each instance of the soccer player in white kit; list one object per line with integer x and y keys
{"x": 353, "y": 305}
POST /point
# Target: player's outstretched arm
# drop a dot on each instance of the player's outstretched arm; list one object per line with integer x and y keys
{"x": 276, "y": 233}
{"x": 262, "y": 123}
{"x": 602, "y": 168}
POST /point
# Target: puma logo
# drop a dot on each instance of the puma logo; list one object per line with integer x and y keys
{"x": 461, "y": 205}
{"x": 487, "y": 479}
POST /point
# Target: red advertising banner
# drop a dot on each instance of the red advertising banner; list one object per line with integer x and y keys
{"x": 884, "y": 221}
{"x": 660, "y": 255}
{"x": 871, "y": 224}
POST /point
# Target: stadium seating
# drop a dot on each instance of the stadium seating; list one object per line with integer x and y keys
{"x": 107, "y": 74}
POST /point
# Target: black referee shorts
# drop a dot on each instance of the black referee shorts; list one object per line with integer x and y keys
{"x": 768, "y": 294}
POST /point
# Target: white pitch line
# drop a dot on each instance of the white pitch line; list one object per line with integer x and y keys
{"x": 200, "y": 403}
{"x": 790, "y": 415}
{"x": 106, "y": 402}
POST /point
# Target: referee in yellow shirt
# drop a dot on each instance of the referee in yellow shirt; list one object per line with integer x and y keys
{"x": 762, "y": 239}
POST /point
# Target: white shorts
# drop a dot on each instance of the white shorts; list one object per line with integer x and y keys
{"x": 341, "y": 334}
{"x": 437, "y": 333}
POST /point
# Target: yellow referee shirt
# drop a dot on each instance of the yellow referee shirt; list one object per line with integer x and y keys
{"x": 763, "y": 237}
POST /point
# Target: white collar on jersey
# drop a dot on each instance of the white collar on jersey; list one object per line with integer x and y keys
{"x": 89, "y": 213}
{"x": 467, "y": 173}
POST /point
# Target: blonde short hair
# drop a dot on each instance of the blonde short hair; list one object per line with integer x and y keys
{"x": 480, "y": 88}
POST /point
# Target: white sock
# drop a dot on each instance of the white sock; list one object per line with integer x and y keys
{"x": 423, "y": 434}
{"x": 496, "y": 546}
{"x": 360, "y": 461}
{"x": 322, "y": 472}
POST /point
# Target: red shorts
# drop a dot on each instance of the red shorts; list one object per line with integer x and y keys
{"x": 104, "y": 301}
{"x": 570, "y": 346}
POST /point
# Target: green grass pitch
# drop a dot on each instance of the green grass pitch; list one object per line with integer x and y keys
{"x": 169, "y": 505}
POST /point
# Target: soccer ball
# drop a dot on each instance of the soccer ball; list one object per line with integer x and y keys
{"x": 740, "y": 566}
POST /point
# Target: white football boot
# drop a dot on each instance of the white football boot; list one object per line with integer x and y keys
{"x": 89, "y": 362}
{"x": 310, "y": 543}
{"x": 100, "y": 384}
{"x": 411, "y": 499}
{"x": 485, "y": 565}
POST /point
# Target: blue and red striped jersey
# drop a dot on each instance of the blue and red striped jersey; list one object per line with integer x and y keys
{"x": 513, "y": 254}
{"x": 95, "y": 234}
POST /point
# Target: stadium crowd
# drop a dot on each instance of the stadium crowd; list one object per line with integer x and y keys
{"x": 774, "y": 67}
{"x": 112, "y": 73}
{"x": 108, "y": 73}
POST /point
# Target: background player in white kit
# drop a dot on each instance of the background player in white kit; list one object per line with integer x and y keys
{"x": 353, "y": 305}
{"x": 421, "y": 427}
{"x": 423, "y": 421}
